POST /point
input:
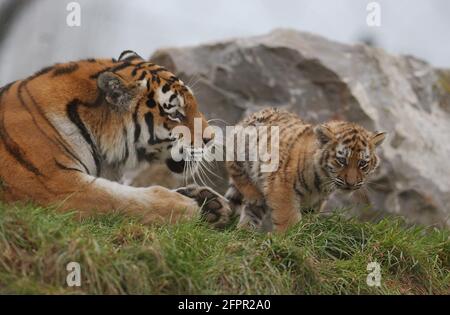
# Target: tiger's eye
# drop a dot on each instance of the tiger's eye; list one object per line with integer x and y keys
{"x": 362, "y": 163}
{"x": 341, "y": 160}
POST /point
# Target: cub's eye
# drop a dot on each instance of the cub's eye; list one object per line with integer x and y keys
{"x": 177, "y": 116}
{"x": 330, "y": 168}
{"x": 341, "y": 160}
{"x": 362, "y": 164}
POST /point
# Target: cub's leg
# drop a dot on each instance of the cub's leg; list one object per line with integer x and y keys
{"x": 235, "y": 199}
{"x": 214, "y": 207}
{"x": 244, "y": 192}
{"x": 256, "y": 216}
{"x": 243, "y": 183}
{"x": 280, "y": 199}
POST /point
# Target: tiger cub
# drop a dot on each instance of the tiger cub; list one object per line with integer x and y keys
{"x": 313, "y": 162}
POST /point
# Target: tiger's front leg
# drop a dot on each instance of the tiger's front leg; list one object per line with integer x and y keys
{"x": 247, "y": 201}
{"x": 256, "y": 216}
{"x": 215, "y": 209}
{"x": 89, "y": 196}
{"x": 281, "y": 200}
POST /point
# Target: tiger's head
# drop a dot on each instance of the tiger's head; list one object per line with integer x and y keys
{"x": 347, "y": 153}
{"x": 155, "y": 102}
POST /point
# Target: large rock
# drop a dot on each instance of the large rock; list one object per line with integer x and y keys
{"x": 321, "y": 80}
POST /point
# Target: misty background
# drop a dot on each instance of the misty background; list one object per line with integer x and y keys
{"x": 34, "y": 33}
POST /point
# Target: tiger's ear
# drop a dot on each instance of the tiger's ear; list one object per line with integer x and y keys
{"x": 378, "y": 138}
{"x": 118, "y": 93}
{"x": 323, "y": 134}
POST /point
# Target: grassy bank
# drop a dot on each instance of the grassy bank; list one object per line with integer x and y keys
{"x": 322, "y": 255}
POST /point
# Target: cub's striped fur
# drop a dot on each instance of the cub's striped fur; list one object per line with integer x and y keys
{"x": 313, "y": 161}
{"x": 69, "y": 130}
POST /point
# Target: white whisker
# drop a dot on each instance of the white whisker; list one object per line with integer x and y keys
{"x": 195, "y": 79}
{"x": 219, "y": 120}
{"x": 200, "y": 173}
{"x": 205, "y": 165}
{"x": 192, "y": 173}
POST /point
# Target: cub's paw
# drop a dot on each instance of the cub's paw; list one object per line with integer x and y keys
{"x": 235, "y": 198}
{"x": 256, "y": 216}
{"x": 215, "y": 208}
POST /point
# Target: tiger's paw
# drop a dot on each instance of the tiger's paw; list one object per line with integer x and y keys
{"x": 215, "y": 209}
{"x": 256, "y": 216}
{"x": 236, "y": 200}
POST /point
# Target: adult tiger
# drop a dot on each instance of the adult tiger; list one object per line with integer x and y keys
{"x": 68, "y": 131}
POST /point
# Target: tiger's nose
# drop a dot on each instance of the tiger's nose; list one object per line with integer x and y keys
{"x": 351, "y": 184}
{"x": 347, "y": 184}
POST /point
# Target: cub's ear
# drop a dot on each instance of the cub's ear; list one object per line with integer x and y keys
{"x": 118, "y": 93}
{"x": 323, "y": 134}
{"x": 378, "y": 138}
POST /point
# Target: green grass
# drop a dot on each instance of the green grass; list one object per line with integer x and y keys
{"x": 321, "y": 255}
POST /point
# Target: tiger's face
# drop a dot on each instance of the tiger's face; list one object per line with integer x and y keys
{"x": 168, "y": 105}
{"x": 156, "y": 102}
{"x": 348, "y": 154}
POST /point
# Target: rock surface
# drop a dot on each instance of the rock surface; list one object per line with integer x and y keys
{"x": 320, "y": 80}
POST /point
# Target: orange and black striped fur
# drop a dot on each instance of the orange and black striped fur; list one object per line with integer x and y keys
{"x": 70, "y": 130}
{"x": 313, "y": 161}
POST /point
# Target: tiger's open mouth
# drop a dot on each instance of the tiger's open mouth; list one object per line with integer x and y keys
{"x": 195, "y": 163}
{"x": 174, "y": 166}
{"x": 188, "y": 154}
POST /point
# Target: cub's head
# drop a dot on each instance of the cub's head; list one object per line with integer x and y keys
{"x": 347, "y": 153}
{"x": 154, "y": 102}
